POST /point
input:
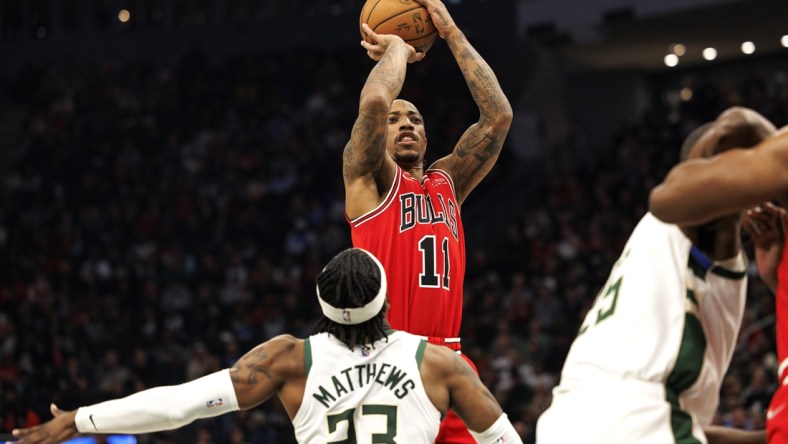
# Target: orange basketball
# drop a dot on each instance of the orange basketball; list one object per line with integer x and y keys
{"x": 406, "y": 18}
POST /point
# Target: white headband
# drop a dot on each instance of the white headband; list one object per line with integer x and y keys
{"x": 352, "y": 316}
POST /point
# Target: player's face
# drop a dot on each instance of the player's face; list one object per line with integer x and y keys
{"x": 407, "y": 140}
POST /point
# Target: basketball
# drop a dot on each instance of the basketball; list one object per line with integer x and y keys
{"x": 405, "y": 18}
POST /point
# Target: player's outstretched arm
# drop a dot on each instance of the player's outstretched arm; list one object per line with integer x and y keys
{"x": 152, "y": 410}
{"x": 699, "y": 190}
{"x": 254, "y": 379}
{"x": 366, "y": 169}
{"x": 727, "y": 435}
{"x": 452, "y": 384}
{"x": 478, "y": 148}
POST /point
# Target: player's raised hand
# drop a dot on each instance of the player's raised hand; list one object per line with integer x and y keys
{"x": 766, "y": 225}
{"x": 440, "y": 16}
{"x": 382, "y": 42}
{"x": 57, "y": 430}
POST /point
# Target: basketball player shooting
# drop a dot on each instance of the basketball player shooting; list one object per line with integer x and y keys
{"x": 407, "y": 216}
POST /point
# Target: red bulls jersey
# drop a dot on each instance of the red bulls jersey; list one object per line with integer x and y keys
{"x": 781, "y": 311}
{"x": 417, "y": 235}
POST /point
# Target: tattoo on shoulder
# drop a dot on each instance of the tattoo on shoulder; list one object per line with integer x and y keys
{"x": 253, "y": 362}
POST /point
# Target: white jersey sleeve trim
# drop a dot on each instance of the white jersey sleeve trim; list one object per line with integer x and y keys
{"x": 393, "y": 191}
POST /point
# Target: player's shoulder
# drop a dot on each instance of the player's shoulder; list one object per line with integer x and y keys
{"x": 286, "y": 339}
{"x": 439, "y": 169}
{"x": 287, "y": 353}
{"x": 284, "y": 347}
{"x": 441, "y": 360}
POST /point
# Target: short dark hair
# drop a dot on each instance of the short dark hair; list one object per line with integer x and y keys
{"x": 692, "y": 139}
{"x": 350, "y": 280}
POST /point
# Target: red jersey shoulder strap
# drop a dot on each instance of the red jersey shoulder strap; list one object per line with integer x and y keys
{"x": 393, "y": 190}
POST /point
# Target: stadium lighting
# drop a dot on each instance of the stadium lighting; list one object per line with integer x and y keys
{"x": 709, "y": 54}
{"x": 679, "y": 49}
{"x": 124, "y": 15}
{"x": 784, "y": 41}
{"x": 686, "y": 94}
{"x": 671, "y": 60}
{"x": 748, "y": 47}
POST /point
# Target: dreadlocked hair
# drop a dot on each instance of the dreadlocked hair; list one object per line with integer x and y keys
{"x": 351, "y": 280}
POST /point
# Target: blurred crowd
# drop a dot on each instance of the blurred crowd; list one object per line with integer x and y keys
{"x": 156, "y": 221}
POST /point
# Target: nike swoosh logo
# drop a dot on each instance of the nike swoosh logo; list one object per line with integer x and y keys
{"x": 91, "y": 421}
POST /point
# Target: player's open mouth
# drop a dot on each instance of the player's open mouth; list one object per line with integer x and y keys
{"x": 406, "y": 138}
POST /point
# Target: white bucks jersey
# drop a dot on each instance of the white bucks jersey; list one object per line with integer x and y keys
{"x": 668, "y": 315}
{"x": 368, "y": 395}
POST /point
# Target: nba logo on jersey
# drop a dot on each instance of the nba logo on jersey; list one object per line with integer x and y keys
{"x": 346, "y": 315}
{"x": 214, "y": 403}
{"x": 364, "y": 350}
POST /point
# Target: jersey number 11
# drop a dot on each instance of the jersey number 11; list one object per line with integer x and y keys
{"x": 429, "y": 276}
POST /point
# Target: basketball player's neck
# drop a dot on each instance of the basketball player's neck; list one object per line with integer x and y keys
{"x": 415, "y": 171}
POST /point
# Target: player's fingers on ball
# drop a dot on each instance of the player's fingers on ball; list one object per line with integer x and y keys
{"x": 369, "y": 31}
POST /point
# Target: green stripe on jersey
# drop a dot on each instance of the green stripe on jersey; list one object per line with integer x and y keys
{"x": 420, "y": 352}
{"x": 697, "y": 268}
{"x": 307, "y": 355}
{"x": 680, "y": 421}
{"x": 729, "y": 274}
{"x": 691, "y": 297}
{"x": 686, "y": 371}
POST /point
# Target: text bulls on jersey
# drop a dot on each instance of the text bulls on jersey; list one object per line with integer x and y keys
{"x": 419, "y": 209}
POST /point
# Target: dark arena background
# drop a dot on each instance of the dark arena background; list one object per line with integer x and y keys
{"x": 170, "y": 182}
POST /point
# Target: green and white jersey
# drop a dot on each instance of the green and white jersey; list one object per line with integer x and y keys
{"x": 368, "y": 395}
{"x": 667, "y": 319}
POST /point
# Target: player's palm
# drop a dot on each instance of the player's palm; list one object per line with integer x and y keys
{"x": 59, "y": 429}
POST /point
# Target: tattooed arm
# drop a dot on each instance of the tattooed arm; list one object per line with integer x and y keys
{"x": 366, "y": 169}
{"x": 451, "y": 383}
{"x": 274, "y": 366}
{"x": 479, "y": 147}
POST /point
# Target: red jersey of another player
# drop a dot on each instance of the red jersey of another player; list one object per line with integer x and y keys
{"x": 417, "y": 235}
{"x": 777, "y": 415}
